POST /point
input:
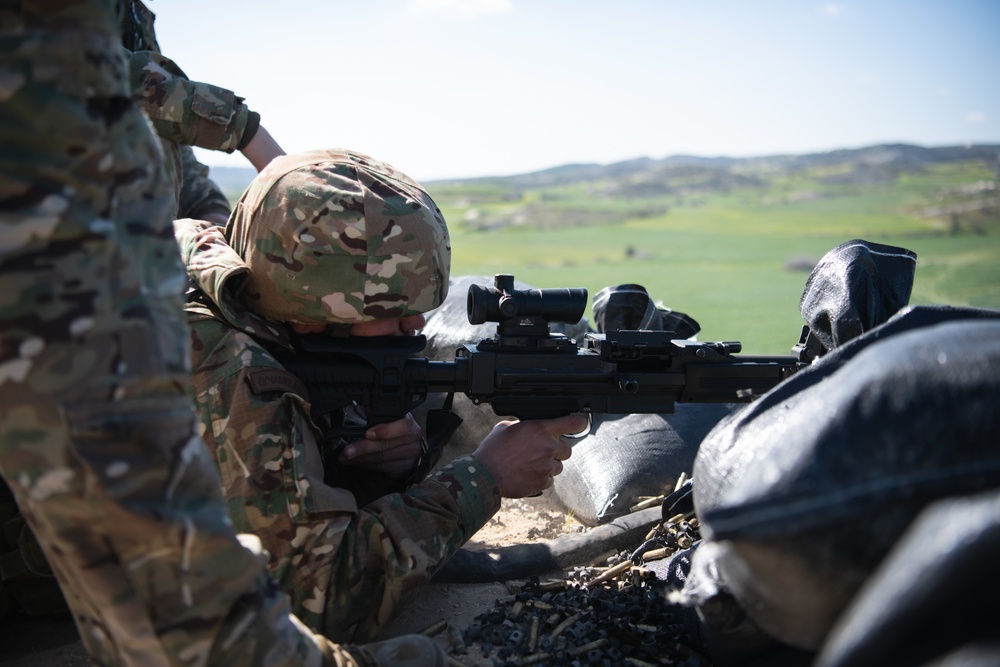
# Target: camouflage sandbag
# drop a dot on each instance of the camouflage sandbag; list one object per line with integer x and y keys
{"x": 803, "y": 494}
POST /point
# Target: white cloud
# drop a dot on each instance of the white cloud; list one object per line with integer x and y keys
{"x": 832, "y": 9}
{"x": 467, "y": 7}
{"x": 975, "y": 117}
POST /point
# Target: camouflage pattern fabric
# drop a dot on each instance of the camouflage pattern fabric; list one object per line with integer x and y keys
{"x": 198, "y": 195}
{"x": 186, "y": 112}
{"x": 189, "y": 113}
{"x": 348, "y": 570}
{"x": 97, "y": 437}
{"x": 335, "y": 236}
{"x": 32, "y": 590}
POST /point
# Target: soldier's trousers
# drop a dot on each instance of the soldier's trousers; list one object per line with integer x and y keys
{"x": 97, "y": 438}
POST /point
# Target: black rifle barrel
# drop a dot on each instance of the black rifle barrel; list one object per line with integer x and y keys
{"x": 526, "y": 371}
{"x": 649, "y": 373}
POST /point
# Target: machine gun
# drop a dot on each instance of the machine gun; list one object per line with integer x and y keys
{"x": 529, "y": 372}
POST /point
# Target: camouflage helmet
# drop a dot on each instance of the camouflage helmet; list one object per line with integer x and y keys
{"x": 334, "y": 236}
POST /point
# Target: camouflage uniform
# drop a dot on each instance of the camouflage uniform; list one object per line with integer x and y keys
{"x": 325, "y": 236}
{"x": 97, "y": 437}
{"x": 184, "y": 113}
{"x": 198, "y": 196}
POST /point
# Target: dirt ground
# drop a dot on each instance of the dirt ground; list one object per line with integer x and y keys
{"x": 55, "y": 642}
{"x": 519, "y": 521}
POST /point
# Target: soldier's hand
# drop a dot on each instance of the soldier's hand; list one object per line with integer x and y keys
{"x": 524, "y": 456}
{"x": 392, "y": 449}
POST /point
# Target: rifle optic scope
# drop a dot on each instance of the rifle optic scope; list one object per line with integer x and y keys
{"x": 502, "y": 302}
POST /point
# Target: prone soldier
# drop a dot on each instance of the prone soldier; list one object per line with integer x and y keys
{"x": 337, "y": 242}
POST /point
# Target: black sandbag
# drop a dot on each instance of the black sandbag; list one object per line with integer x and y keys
{"x": 629, "y": 307}
{"x": 935, "y": 600}
{"x": 854, "y": 288}
{"x": 520, "y": 561}
{"x": 805, "y": 491}
{"x": 627, "y": 457}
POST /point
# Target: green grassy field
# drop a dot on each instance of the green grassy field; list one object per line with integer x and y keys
{"x": 736, "y": 261}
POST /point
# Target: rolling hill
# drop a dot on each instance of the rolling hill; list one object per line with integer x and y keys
{"x": 730, "y": 241}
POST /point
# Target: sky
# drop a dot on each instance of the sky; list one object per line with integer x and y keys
{"x": 464, "y": 88}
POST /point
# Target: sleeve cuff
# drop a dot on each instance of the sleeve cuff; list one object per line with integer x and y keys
{"x": 250, "y": 130}
{"x": 474, "y": 489}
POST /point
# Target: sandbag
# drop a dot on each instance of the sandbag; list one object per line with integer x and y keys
{"x": 854, "y": 288}
{"x": 629, "y": 307}
{"x": 805, "y": 491}
{"x": 520, "y": 561}
{"x": 628, "y": 457}
{"x": 934, "y": 599}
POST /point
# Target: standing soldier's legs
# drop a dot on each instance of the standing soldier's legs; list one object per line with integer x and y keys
{"x": 97, "y": 437}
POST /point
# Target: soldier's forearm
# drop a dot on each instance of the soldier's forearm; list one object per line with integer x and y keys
{"x": 262, "y": 149}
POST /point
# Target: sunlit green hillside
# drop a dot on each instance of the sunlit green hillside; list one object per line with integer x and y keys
{"x": 733, "y": 249}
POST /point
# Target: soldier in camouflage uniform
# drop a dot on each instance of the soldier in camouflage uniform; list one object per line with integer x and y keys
{"x": 335, "y": 241}
{"x": 216, "y": 119}
{"x": 97, "y": 437}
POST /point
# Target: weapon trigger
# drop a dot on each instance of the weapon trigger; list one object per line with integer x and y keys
{"x": 340, "y": 436}
{"x": 582, "y": 434}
